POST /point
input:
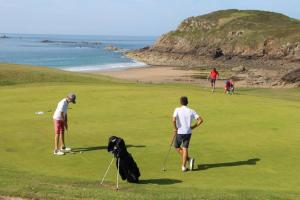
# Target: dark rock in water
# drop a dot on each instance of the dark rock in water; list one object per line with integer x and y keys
{"x": 116, "y": 49}
{"x": 4, "y": 37}
{"x": 47, "y": 41}
{"x": 111, "y": 48}
{"x": 89, "y": 44}
{"x": 145, "y": 48}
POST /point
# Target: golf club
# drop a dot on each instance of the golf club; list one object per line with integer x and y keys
{"x": 67, "y": 131}
{"x": 164, "y": 163}
{"x": 163, "y": 168}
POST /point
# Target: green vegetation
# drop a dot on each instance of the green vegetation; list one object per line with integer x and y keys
{"x": 12, "y": 74}
{"x": 246, "y": 26}
{"x": 247, "y": 148}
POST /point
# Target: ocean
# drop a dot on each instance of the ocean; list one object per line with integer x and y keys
{"x": 72, "y": 52}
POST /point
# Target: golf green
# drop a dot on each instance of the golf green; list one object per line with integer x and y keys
{"x": 247, "y": 147}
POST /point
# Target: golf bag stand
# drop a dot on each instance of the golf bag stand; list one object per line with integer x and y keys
{"x": 125, "y": 163}
{"x": 107, "y": 172}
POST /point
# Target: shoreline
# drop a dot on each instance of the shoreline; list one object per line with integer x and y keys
{"x": 190, "y": 75}
{"x": 187, "y": 75}
{"x": 159, "y": 74}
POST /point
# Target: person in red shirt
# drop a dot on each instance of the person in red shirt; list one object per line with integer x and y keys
{"x": 229, "y": 87}
{"x": 214, "y": 74}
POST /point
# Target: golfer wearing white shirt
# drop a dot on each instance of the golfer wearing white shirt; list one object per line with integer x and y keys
{"x": 182, "y": 120}
{"x": 60, "y": 119}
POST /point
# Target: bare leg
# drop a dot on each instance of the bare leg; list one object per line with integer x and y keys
{"x": 184, "y": 155}
{"x": 62, "y": 140}
{"x": 56, "y": 141}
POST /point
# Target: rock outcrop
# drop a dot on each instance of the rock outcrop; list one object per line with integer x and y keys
{"x": 233, "y": 33}
{"x": 229, "y": 38}
{"x": 111, "y": 48}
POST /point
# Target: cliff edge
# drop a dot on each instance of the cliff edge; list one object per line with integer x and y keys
{"x": 230, "y": 39}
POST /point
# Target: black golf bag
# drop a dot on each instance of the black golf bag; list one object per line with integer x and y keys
{"x": 128, "y": 169}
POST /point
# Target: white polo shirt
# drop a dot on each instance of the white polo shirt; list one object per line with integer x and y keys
{"x": 184, "y": 117}
{"x": 62, "y": 106}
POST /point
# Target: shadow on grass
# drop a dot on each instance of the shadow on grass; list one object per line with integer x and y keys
{"x": 228, "y": 164}
{"x": 160, "y": 181}
{"x": 96, "y": 148}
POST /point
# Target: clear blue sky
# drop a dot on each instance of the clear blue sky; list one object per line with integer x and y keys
{"x": 119, "y": 17}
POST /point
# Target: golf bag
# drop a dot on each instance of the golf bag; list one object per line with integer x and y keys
{"x": 128, "y": 169}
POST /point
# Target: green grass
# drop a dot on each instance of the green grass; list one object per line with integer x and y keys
{"x": 254, "y": 124}
{"x": 13, "y": 74}
{"x": 257, "y": 26}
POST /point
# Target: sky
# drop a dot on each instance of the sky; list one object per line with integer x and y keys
{"x": 119, "y": 17}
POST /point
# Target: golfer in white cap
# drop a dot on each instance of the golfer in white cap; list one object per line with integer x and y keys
{"x": 60, "y": 119}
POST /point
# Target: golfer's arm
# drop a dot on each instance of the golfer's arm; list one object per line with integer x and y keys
{"x": 199, "y": 121}
{"x": 174, "y": 123}
{"x": 62, "y": 116}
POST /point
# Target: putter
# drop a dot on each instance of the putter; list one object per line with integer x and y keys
{"x": 164, "y": 163}
{"x": 67, "y": 130}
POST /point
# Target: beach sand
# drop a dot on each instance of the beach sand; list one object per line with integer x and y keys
{"x": 159, "y": 74}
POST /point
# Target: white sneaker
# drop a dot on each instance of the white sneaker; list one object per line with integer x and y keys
{"x": 183, "y": 168}
{"x": 66, "y": 149}
{"x": 58, "y": 153}
{"x": 192, "y": 161}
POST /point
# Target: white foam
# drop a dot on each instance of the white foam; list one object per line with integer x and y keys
{"x": 105, "y": 67}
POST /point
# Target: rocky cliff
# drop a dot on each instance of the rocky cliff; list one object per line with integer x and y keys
{"x": 229, "y": 38}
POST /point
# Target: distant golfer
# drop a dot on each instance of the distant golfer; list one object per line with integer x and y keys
{"x": 60, "y": 119}
{"x": 229, "y": 87}
{"x": 214, "y": 74}
{"x": 182, "y": 120}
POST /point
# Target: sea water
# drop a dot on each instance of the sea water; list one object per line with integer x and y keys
{"x": 71, "y": 52}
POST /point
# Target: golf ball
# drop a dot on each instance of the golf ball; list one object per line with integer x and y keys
{"x": 80, "y": 152}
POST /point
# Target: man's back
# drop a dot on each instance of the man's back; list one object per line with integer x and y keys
{"x": 184, "y": 117}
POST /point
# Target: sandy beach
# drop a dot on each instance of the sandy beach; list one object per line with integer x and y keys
{"x": 159, "y": 74}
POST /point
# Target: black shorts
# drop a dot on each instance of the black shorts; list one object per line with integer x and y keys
{"x": 212, "y": 80}
{"x": 183, "y": 139}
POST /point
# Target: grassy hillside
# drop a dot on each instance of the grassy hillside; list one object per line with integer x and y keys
{"x": 11, "y": 74}
{"x": 241, "y": 33}
{"x": 255, "y": 26}
{"x": 247, "y": 148}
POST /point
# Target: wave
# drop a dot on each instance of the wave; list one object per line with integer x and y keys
{"x": 105, "y": 67}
